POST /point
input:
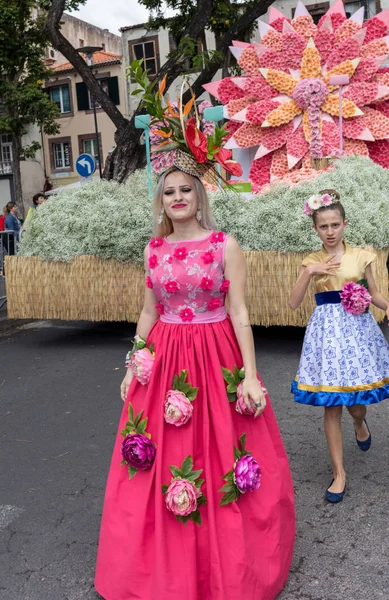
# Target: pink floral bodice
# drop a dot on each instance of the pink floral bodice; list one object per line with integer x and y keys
{"x": 187, "y": 278}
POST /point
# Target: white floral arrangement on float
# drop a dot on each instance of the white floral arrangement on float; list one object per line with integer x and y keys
{"x": 112, "y": 220}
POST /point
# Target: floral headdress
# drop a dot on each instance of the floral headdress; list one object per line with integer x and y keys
{"x": 318, "y": 201}
{"x": 179, "y": 139}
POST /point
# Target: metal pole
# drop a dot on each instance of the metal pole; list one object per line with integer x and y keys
{"x": 89, "y": 58}
{"x": 340, "y": 120}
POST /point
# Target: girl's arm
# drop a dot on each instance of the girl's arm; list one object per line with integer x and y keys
{"x": 147, "y": 319}
{"x": 324, "y": 268}
{"x": 235, "y": 271}
{"x": 377, "y": 299}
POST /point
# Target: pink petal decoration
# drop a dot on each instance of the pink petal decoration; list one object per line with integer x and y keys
{"x": 257, "y": 112}
{"x": 379, "y": 152}
{"x": 364, "y": 92}
{"x": 263, "y": 28}
{"x": 365, "y": 70}
{"x": 300, "y": 11}
{"x": 376, "y": 27}
{"x": 248, "y": 61}
{"x": 337, "y": 8}
{"x": 212, "y": 88}
{"x": 273, "y": 60}
{"x": 293, "y": 46}
{"x": 276, "y": 137}
{"x": 347, "y": 30}
{"x": 287, "y": 27}
{"x": 260, "y": 170}
{"x": 240, "y": 44}
{"x": 272, "y": 39}
{"x": 357, "y": 147}
{"x": 383, "y": 108}
{"x": 231, "y": 127}
{"x": 248, "y": 135}
{"x": 278, "y": 24}
{"x": 235, "y": 106}
{"x": 257, "y": 88}
{"x": 358, "y": 16}
{"x": 324, "y": 41}
{"x": 348, "y": 50}
{"x": 330, "y": 138}
{"x": 377, "y": 122}
{"x": 275, "y": 14}
{"x": 356, "y": 129}
{"x": 279, "y": 164}
{"x": 227, "y": 91}
{"x": 296, "y": 147}
{"x": 375, "y": 48}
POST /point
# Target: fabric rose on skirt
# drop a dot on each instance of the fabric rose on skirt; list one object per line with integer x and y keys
{"x": 178, "y": 402}
{"x": 138, "y": 451}
{"x": 183, "y": 496}
{"x": 141, "y": 360}
{"x": 355, "y": 298}
{"x": 245, "y": 476}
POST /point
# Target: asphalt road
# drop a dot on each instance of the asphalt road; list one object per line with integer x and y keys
{"x": 60, "y": 405}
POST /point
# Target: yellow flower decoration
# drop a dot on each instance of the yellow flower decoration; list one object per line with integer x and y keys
{"x": 282, "y": 114}
{"x": 310, "y": 64}
{"x": 279, "y": 80}
{"x": 349, "y": 109}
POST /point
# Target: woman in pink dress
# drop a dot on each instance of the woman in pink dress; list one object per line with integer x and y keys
{"x": 195, "y": 511}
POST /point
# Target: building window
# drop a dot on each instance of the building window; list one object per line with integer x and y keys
{"x": 80, "y": 43}
{"x": 90, "y": 147}
{"x": 104, "y": 85}
{"x": 6, "y": 153}
{"x": 148, "y": 50}
{"x": 87, "y": 143}
{"x": 370, "y": 7}
{"x": 61, "y": 97}
{"x": 103, "y": 45}
{"x": 61, "y": 155}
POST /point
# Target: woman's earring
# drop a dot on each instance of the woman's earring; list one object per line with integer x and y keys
{"x": 160, "y": 218}
{"x": 198, "y": 215}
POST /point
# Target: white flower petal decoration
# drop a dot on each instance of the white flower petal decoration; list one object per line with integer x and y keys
{"x": 314, "y": 202}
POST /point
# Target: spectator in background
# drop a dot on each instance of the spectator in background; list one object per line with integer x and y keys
{"x": 12, "y": 223}
{"x": 2, "y": 219}
{"x": 37, "y": 200}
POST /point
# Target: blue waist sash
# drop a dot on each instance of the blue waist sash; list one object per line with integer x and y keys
{"x": 328, "y": 297}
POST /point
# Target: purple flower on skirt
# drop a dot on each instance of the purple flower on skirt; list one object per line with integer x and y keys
{"x": 247, "y": 474}
{"x": 138, "y": 451}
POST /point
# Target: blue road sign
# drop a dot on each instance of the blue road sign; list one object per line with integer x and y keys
{"x": 85, "y": 165}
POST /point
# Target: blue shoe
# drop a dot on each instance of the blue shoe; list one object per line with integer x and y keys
{"x": 364, "y": 446}
{"x": 332, "y": 496}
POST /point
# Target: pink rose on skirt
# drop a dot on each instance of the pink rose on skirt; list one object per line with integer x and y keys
{"x": 181, "y": 497}
{"x": 178, "y": 409}
{"x": 241, "y": 406}
{"x": 142, "y": 362}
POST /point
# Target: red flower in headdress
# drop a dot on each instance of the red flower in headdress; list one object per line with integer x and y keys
{"x": 196, "y": 140}
{"x": 223, "y": 157}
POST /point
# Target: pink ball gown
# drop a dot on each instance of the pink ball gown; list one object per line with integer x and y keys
{"x": 241, "y": 551}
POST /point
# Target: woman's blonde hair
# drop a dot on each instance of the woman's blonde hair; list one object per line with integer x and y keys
{"x": 166, "y": 227}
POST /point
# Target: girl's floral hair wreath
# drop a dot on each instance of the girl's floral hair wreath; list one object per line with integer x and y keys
{"x": 177, "y": 130}
{"x": 318, "y": 201}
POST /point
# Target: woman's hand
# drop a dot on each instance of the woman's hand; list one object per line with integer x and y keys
{"x": 251, "y": 388}
{"x": 387, "y": 314}
{"x": 126, "y": 384}
{"x": 324, "y": 268}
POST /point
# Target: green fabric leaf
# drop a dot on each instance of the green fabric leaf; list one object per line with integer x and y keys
{"x": 132, "y": 472}
{"x": 231, "y": 397}
{"x": 228, "y": 376}
{"x": 194, "y": 475}
{"x": 192, "y": 394}
{"x": 138, "y": 417}
{"x": 227, "y": 488}
{"x": 202, "y": 501}
{"x": 130, "y": 413}
{"x": 165, "y": 488}
{"x": 123, "y": 463}
{"x": 242, "y": 440}
{"x": 199, "y": 482}
{"x": 141, "y": 428}
{"x": 232, "y": 388}
{"x": 176, "y": 472}
{"x": 237, "y": 453}
{"x": 187, "y": 465}
{"x": 175, "y": 382}
{"x": 196, "y": 517}
{"x": 185, "y": 388}
{"x": 183, "y": 376}
{"x": 228, "y": 498}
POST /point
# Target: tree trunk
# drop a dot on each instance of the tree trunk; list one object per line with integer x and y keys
{"x": 17, "y": 177}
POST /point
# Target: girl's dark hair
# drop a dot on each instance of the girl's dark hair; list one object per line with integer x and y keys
{"x": 36, "y": 198}
{"x": 9, "y": 206}
{"x": 337, "y": 205}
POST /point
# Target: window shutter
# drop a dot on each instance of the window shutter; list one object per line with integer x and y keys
{"x": 113, "y": 89}
{"x": 82, "y": 96}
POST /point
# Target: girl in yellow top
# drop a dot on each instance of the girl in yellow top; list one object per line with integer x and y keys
{"x": 345, "y": 357}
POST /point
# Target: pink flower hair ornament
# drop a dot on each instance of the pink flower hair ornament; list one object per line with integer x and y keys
{"x": 318, "y": 201}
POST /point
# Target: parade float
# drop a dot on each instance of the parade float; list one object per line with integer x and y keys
{"x": 310, "y": 111}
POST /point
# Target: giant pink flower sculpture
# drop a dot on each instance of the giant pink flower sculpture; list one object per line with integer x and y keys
{"x": 284, "y": 104}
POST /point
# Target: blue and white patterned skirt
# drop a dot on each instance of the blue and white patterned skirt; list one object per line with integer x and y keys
{"x": 344, "y": 361}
